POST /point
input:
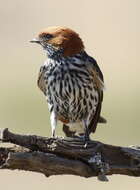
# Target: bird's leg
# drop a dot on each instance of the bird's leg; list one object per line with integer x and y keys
{"x": 53, "y": 123}
{"x": 86, "y": 137}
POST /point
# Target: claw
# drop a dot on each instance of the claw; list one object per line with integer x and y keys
{"x": 85, "y": 145}
{"x": 86, "y": 138}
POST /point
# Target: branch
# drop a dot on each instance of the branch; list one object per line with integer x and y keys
{"x": 57, "y": 156}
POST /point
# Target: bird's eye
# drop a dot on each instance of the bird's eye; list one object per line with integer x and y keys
{"x": 48, "y": 36}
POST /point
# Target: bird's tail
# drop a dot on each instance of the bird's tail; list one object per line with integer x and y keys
{"x": 102, "y": 120}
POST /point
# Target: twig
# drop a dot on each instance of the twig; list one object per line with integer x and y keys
{"x": 67, "y": 156}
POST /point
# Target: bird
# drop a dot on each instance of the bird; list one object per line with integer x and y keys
{"x": 71, "y": 81}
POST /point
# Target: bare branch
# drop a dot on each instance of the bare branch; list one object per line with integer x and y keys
{"x": 67, "y": 156}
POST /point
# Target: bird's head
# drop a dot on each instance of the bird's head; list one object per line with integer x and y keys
{"x": 60, "y": 39}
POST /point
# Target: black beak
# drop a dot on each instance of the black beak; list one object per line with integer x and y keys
{"x": 35, "y": 40}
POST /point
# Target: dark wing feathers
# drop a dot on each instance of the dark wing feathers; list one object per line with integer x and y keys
{"x": 40, "y": 81}
{"x": 99, "y": 85}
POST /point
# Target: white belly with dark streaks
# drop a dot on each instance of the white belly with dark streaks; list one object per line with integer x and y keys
{"x": 71, "y": 94}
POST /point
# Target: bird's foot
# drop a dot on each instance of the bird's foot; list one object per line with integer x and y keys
{"x": 85, "y": 145}
{"x": 86, "y": 139}
{"x": 57, "y": 137}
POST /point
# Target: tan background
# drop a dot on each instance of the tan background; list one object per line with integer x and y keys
{"x": 110, "y": 30}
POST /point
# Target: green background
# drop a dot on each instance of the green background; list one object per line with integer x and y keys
{"x": 110, "y": 31}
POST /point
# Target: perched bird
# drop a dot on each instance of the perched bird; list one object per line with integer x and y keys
{"x": 72, "y": 82}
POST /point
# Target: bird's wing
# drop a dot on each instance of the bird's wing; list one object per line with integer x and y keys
{"x": 99, "y": 86}
{"x": 40, "y": 81}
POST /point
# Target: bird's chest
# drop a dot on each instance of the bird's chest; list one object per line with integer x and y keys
{"x": 69, "y": 90}
{"x": 70, "y": 95}
{"x": 57, "y": 82}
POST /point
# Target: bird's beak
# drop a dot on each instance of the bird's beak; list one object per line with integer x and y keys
{"x": 35, "y": 40}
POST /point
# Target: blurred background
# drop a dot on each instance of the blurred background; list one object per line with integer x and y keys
{"x": 110, "y": 30}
